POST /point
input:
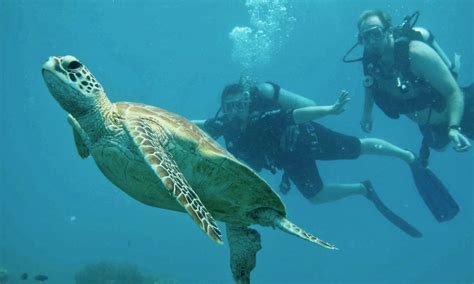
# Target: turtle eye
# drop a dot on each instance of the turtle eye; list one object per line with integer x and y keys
{"x": 71, "y": 65}
{"x": 74, "y": 65}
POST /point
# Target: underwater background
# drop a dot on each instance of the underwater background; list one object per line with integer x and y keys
{"x": 59, "y": 213}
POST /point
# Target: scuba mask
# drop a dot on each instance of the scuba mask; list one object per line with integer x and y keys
{"x": 372, "y": 34}
{"x": 375, "y": 33}
{"x": 236, "y": 104}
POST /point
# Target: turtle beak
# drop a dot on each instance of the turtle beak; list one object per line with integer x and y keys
{"x": 52, "y": 69}
{"x": 52, "y": 65}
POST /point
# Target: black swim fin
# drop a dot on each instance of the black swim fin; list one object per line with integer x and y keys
{"x": 389, "y": 214}
{"x": 434, "y": 193}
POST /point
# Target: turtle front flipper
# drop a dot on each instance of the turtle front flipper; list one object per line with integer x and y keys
{"x": 80, "y": 137}
{"x": 150, "y": 141}
{"x": 244, "y": 243}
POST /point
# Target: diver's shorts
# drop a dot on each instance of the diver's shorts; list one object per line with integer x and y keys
{"x": 321, "y": 143}
{"x": 316, "y": 142}
{"x": 436, "y": 136}
{"x": 305, "y": 175}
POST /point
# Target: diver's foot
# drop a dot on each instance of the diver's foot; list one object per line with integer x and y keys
{"x": 368, "y": 188}
{"x": 412, "y": 157}
{"x": 417, "y": 162}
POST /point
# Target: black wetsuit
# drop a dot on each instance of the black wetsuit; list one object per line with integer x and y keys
{"x": 273, "y": 141}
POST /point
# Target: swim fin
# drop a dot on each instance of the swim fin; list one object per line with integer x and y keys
{"x": 434, "y": 193}
{"x": 389, "y": 214}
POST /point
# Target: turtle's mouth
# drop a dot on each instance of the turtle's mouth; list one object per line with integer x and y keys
{"x": 56, "y": 85}
{"x": 66, "y": 95}
{"x": 53, "y": 65}
{"x": 73, "y": 73}
{"x": 55, "y": 77}
{"x": 58, "y": 80}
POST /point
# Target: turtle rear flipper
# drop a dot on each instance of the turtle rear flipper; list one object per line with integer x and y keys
{"x": 150, "y": 143}
{"x": 268, "y": 216}
{"x": 286, "y": 226}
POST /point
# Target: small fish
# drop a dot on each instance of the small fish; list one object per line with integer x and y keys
{"x": 24, "y": 276}
{"x": 41, "y": 277}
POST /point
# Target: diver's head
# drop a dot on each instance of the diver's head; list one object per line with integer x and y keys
{"x": 235, "y": 102}
{"x": 375, "y": 29}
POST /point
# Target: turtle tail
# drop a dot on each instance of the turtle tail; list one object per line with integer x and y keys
{"x": 270, "y": 217}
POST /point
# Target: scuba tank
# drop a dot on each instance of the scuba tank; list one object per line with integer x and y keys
{"x": 262, "y": 100}
{"x": 407, "y": 29}
{"x": 428, "y": 38}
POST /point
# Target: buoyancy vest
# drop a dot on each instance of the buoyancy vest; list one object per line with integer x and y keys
{"x": 403, "y": 77}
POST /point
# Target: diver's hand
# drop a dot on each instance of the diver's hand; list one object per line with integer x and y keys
{"x": 285, "y": 188}
{"x": 285, "y": 184}
{"x": 461, "y": 143}
{"x": 366, "y": 124}
{"x": 339, "y": 106}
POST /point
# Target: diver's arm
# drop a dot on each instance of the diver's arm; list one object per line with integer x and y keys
{"x": 366, "y": 123}
{"x": 199, "y": 123}
{"x": 305, "y": 114}
{"x": 426, "y": 63}
{"x": 212, "y": 126}
{"x": 286, "y": 99}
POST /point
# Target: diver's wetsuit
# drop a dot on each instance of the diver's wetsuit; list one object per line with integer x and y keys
{"x": 272, "y": 141}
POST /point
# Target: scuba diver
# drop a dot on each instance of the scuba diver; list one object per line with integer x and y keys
{"x": 406, "y": 72}
{"x": 271, "y": 128}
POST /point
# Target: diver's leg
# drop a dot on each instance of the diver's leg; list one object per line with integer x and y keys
{"x": 375, "y": 146}
{"x": 305, "y": 176}
{"x": 333, "y": 145}
{"x": 335, "y": 192}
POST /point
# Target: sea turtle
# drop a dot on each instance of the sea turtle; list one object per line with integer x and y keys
{"x": 163, "y": 160}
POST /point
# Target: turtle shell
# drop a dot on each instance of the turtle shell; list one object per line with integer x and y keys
{"x": 230, "y": 190}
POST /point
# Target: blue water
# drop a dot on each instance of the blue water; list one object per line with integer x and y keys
{"x": 58, "y": 212}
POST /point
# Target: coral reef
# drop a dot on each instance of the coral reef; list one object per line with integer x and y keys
{"x": 115, "y": 273}
{"x": 108, "y": 273}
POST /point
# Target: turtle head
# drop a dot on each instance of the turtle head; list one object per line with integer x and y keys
{"x": 72, "y": 84}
